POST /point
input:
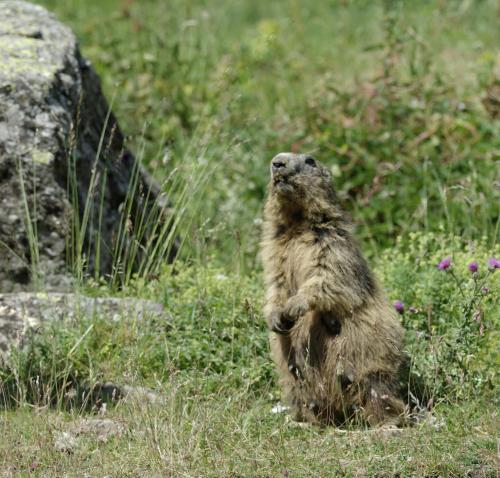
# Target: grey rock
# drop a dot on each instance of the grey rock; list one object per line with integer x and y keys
{"x": 64, "y": 442}
{"x": 61, "y": 153}
{"x": 24, "y": 313}
{"x": 111, "y": 392}
{"x": 98, "y": 429}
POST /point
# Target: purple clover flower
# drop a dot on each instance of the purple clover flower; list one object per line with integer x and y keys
{"x": 493, "y": 263}
{"x": 444, "y": 264}
{"x": 399, "y": 306}
{"x": 473, "y": 267}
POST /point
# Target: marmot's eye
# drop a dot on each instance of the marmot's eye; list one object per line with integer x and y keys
{"x": 310, "y": 161}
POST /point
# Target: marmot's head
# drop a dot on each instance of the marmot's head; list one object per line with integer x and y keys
{"x": 299, "y": 178}
{"x": 301, "y": 191}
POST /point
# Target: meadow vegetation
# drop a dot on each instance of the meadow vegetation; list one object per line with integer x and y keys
{"x": 400, "y": 100}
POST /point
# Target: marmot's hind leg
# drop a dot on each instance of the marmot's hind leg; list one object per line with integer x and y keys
{"x": 380, "y": 403}
{"x": 289, "y": 375}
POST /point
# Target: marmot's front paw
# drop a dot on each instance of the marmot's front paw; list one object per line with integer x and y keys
{"x": 295, "y": 307}
{"x": 280, "y": 324}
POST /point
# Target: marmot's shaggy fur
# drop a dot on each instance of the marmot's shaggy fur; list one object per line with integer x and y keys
{"x": 336, "y": 340}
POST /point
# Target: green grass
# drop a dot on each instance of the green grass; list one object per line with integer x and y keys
{"x": 235, "y": 435}
{"x": 209, "y": 360}
{"x": 389, "y": 95}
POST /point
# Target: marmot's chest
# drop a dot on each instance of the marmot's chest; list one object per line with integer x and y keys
{"x": 298, "y": 260}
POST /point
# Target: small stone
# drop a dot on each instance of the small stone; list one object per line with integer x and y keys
{"x": 101, "y": 428}
{"x": 279, "y": 408}
{"x": 64, "y": 442}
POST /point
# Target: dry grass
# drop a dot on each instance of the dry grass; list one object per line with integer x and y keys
{"x": 229, "y": 436}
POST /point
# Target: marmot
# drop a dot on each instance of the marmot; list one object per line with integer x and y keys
{"x": 336, "y": 340}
